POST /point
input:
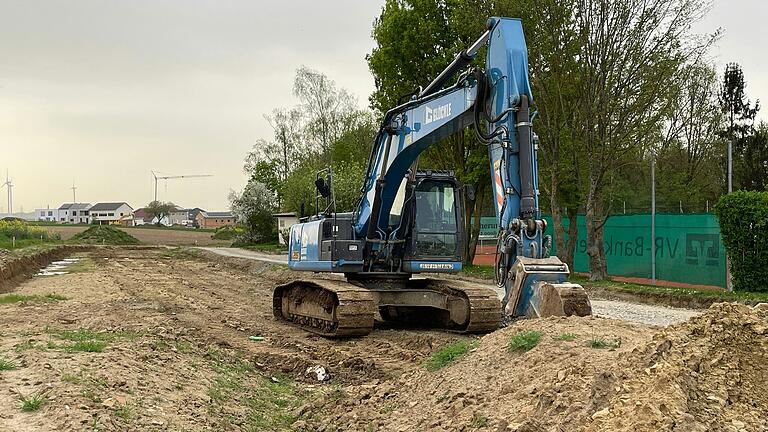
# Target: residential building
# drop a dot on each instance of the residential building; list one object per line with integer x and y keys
{"x": 192, "y": 215}
{"x": 77, "y": 213}
{"x": 215, "y": 219}
{"x": 141, "y": 217}
{"x": 112, "y": 213}
{"x": 47, "y": 214}
{"x": 186, "y": 217}
{"x": 284, "y": 223}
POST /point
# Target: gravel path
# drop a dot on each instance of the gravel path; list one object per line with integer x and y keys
{"x": 647, "y": 314}
{"x": 642, "y": 313}
{"x": 247, "y": 254}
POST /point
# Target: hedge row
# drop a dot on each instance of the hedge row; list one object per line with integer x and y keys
{"x": 743, "y": 218}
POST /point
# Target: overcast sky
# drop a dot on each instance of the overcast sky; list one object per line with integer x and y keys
{"x": 104, "y": 91}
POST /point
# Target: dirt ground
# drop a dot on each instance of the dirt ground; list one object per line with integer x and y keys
{"x": 176, "y": 350}
{"x": 161, "y": 339}
{"x": 151, "y": 235}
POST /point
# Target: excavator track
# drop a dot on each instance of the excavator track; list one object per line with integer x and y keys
{"x": 328, "y": 308}
{"x": 484, "y": 305}
{"x": 338, "y": 309}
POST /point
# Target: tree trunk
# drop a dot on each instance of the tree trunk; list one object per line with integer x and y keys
{"x": 557, "y": 215}
{"x": 597, "y": 268}
{"x": 473, "y": 226}
{"x": 573, "y": 237}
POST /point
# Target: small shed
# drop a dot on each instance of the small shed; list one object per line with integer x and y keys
{"x": 284, "y": 222}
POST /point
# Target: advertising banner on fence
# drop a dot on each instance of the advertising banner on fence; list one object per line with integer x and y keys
{"x": 688, "y": 246}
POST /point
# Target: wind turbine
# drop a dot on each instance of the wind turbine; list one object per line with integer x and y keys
{"x": 9, "y": 187}
{"x": 74, "y": 197}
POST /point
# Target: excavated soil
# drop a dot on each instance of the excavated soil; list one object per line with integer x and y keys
{"x": 707, "y": 374}
{"x": 188, "y": 342}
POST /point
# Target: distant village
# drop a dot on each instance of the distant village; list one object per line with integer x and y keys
{"x": 121, "y": 213}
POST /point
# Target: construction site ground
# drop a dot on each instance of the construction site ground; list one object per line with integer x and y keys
{"x": 184, "y": 339}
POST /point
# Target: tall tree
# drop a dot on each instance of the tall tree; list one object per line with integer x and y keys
{"x": 326, "y": 107}
{"x": 751, "y": 168}
{"x": 739, "y": 129}
{"x": 288, "y": 148}
{"x": 740, "y": 114}
{"x": 631, "y": 53}
{"x": 253, "y": 208}
{"x": 158, "y": 210}
{"x": 688, "y": 152}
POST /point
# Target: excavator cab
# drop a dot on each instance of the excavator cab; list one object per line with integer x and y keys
{"x": 437, "y": 233}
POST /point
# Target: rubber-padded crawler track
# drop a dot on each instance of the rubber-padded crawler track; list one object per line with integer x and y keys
{"x": 350, "y": 308}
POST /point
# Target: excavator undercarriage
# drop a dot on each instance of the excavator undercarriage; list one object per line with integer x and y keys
{"x": 334, "y": 308}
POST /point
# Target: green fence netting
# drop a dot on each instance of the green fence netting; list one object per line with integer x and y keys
{"x": 688, "y": 246}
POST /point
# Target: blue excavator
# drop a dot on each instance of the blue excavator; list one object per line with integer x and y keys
{"x": 410, "y": 222}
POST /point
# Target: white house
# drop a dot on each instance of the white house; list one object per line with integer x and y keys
{"x": 76, "y": 213}
{"x": 284, "y": 222}
{"x": 112, "y": 213}
{"x": 47, "y": 214}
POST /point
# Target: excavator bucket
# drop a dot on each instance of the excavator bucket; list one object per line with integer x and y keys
{"x": 536, "y": 288}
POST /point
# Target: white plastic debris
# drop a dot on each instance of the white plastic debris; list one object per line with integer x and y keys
{"x": 319, "y": 372}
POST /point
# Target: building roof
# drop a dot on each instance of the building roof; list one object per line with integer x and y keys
{"x": 224, "y": 214}
{"x": 75, "y": 206}
{"x": 106, "y": 206}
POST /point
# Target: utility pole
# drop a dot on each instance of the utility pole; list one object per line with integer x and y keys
{"x": 730, "y": 163}
{"x": 74, "y": 188}
{"x": 728, "y": 279}
{"x": 653, "y": 218}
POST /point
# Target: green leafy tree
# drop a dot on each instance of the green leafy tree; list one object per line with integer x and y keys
{"x": 749, "y": 152}
{"x": 324, "y": 129}
{"x": 299, "y": 188}
{"x": 739, "y": 112}
{"x": 631, "y": 54}
{"x": 253, "y": 208}
{"x": 415, "y": 41}
{"x": 159, "y": 210}
{"x": 326, "y": 107}
{"x": 690, "y": 150}
{"x": 751, "y": 167}
{"x": 267, "y": 173}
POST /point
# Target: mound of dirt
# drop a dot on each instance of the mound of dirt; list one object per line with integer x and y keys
{"x": 585, "y": 374}
{"x": 104, "y": 234}
{"x": 707, "y": 374}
